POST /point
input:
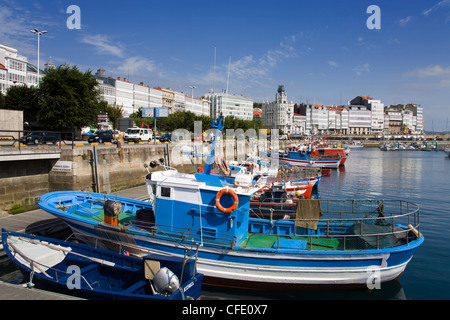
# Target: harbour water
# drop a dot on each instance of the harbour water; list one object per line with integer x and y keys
{"x": 420, "y": 177}
{"x": 417, "y": 176}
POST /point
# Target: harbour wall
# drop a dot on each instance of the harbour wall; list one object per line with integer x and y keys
{"x": 102, "y": 168}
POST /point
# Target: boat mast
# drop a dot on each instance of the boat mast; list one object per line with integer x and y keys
{"x": 210, "y": 158}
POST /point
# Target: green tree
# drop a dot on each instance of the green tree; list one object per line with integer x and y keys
{"x": 23, "y": 98}
{"x": 69, "y": 99}
{"x": 114, "y": 112}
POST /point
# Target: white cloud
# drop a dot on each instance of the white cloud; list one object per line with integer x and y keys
{"x": 405, "y": 21}
{"x": 332, "y": 63}
{"x": 429, "y": 71}
{"x": 249, "y": 70}
{"x": 135, "y": 66}
{"x": 16, "y": 22}
{"x": 360, "y": 69}
{"x": 103, "y": 45}
{"x": 440, "y": 4}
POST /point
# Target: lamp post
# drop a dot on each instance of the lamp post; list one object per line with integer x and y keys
{"x": 39, "y": 33}
{"x": 192, "y": 88}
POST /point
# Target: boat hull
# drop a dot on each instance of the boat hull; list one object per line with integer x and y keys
{"x": 245, "y": 265}
{"x": 332, "y": 164}
{"x": 256, "y": 269}
{"x": 103, "y": 274}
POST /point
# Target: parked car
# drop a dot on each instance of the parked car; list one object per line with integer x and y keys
{"x": 39, "y": 137}
{"x": 167, "y": 137}
{"x": 137, "y": 134}
{"x": 101, "y": 137}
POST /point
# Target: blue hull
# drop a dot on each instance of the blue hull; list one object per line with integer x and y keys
{"x": 116, "y": 277}
{"x": 288, "y": 262}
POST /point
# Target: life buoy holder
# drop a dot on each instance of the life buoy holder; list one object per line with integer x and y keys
{"x": 232, "y": 194}
{"x": 224, "y": 169}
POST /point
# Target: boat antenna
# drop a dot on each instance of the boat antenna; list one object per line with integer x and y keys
{"x": 218, "y": 124}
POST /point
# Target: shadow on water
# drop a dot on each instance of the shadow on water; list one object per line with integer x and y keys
{"x": 391, "y": 290}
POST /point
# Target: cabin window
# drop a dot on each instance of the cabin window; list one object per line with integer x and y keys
{"x": 165, "y": 192}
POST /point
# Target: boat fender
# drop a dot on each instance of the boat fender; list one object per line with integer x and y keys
{"x": 232, "y": 194}
{"x": 414, "y": 230}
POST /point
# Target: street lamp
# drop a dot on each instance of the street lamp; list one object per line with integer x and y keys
{"x": 192, "y": 88}
{"x": 39, "y": 33}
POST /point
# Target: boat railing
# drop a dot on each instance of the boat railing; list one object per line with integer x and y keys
{"x": 36, "y": 266}
{"x": 188, "y": 235}
{"x": 355, "y": 224}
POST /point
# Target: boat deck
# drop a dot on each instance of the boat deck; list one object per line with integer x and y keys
{"x": 344, "y": 225}
{"x": 287, "y": 242}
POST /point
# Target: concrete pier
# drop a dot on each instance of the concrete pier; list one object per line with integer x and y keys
{"x": 10, "y": 291}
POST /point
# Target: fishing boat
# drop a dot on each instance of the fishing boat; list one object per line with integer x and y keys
{"x": 354, "y": 144}
{"x": 327, "y": 243}
{"x": 302, "y": 157}
{"x": 84, "y": 271}
{"x": 329, "y": 152}
{"x": 447, "y": 151}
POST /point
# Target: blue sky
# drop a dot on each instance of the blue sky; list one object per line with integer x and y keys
{"x": 321, "y": 51}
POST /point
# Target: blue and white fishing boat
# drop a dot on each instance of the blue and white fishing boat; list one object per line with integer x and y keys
{"x": 306, "y": 159}
{"x": 84, "y": 271}
{"x": 327, "y": 242}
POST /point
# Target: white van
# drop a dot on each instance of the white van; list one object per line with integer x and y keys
{"x": 137, "y": 134}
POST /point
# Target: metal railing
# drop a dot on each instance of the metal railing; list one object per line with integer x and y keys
{"x": 18, "y": 138}
{"x": 187, "y": 235}
{"x": 355, "y": 224}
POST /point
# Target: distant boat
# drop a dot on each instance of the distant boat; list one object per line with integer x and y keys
{"x": 84, "y": 271}
{"x": 447, "y": 151}
{"x": 354, "y": 144}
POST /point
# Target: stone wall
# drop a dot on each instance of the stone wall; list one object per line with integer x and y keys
{"x": 119, "y": 167}
{"x": 11, "y": 120}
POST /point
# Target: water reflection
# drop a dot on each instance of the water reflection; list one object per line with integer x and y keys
{"x": 391, "y": 290}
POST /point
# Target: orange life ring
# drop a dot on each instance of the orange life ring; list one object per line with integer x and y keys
{"x": 200, "y": 170}
{"x": 235, "y": 198}
{"x": 224, "y": 169}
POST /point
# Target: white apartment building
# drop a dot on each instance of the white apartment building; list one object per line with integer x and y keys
{"x": 377, "y": 112}
{"x": 199, "y": 106}
{"x": 15, "y": 69}
{"x": 359, "y": 120}
{"x": 3, "y": 77}
{"x": 156, "y": 98}
{"x": 417, "y": 111}
{"x": 279, "y": 114}
{"x": 229, "y": 104}
{"x": 141, "y": 96}
{"x": 299, "y": 124}
{"x": 131, "y": 96}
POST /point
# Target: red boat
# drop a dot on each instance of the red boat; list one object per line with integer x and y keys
{"x": 325, "y": 152}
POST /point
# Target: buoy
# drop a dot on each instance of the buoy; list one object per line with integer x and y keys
{"x": 414, "y": 230}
